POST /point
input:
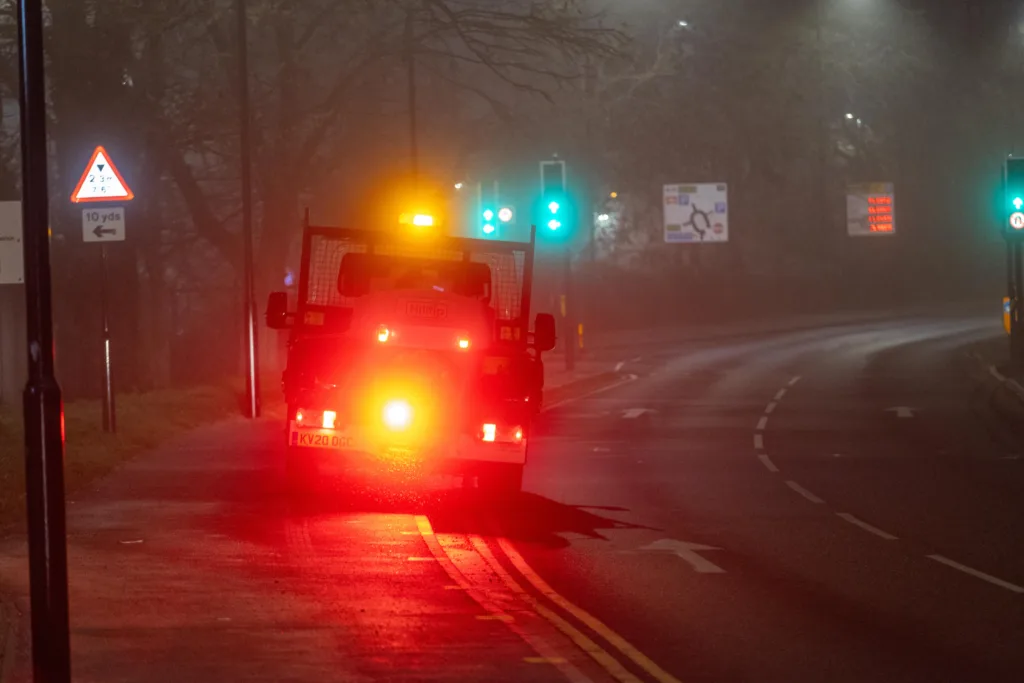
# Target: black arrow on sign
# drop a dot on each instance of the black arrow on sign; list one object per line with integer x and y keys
{"x": 100, "y": 231}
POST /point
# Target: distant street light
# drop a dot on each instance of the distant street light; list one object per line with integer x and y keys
{"x": 849, "y": 116}
{"x": 603, "y": 217}
{"x": 683, "y": 23}
{"x": 458, "y": 186}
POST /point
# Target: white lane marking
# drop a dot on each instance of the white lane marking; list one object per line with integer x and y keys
{"x": 976, "y": 574}
{"x": 995, "y": 373}
{"x": 635, "y": 360}
{"x": 618, "y": 366}
{"x": 688, "y": 552}
{"x": 804, "y": 492}
{"x": 762, "y": 423}
{"x": 865, "y": 526}
{"x": 793, "y": 381}
{"x": 780, "y": 394}
{"x": 770, "y": 408}
{"x": 767, "y": 462}
{"x": 759, "y": 442}
{"x": 634, "y": 413}
{"x": 626, "y": 380}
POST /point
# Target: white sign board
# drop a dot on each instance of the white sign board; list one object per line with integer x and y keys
{"x": 103, "y": 225}
{"x": 12, "y": 258}
{"x": 870, "y": 209}
{"x": 697, "y": 213}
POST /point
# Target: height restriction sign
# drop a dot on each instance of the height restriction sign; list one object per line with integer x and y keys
{"x": 101, "y": 182}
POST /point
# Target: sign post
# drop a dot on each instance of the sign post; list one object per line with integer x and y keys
{"x": 43, "y": 411}
{"x": 102, "y": 184}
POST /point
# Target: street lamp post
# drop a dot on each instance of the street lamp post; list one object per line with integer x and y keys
{"x": 43, "y": 412}
{"x": 252, "y": 382}
{"x": 410, "y": 60}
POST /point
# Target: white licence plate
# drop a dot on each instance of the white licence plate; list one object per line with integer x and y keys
{"x": 321, "y": 439}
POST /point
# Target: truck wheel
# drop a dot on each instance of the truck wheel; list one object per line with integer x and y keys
{"x": 502, "y": 479}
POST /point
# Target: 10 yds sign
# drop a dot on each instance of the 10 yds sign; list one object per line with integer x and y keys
{"x": 103, "y": 225}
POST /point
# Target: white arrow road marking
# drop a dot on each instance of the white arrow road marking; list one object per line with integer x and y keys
{"x": 687, "y": 551}
{"x": 634, "y": 413}
{"x": 901, "y": 411}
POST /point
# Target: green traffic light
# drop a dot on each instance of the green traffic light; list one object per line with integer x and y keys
{"x": 554, "y": 224}
{"x": 488, "y": 215}
{"x": 488, "y": 229}
{"x": 553, "y": 207}
{"x": 1017, "y": 203}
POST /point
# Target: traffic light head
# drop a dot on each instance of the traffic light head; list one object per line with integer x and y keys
{"x": 1013, "y": 175}
{"x": 490, "y": 219}
{"x": 553, "y": 198}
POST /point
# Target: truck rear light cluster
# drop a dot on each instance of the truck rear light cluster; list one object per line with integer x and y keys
{"x": 326, "y": 419}
{"x": 491, "y": 433}
{"x": 383, "y": 333}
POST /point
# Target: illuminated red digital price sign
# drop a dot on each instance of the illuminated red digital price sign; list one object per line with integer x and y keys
{"x": 880, "y": 218}
{"x": 870, "y": 209}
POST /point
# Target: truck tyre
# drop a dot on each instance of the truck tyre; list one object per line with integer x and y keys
{"x": 502, "y": 479}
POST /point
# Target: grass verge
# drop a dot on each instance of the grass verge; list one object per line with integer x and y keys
{"x": 144, "y": 421}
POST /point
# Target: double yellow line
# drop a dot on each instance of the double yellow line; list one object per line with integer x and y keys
{"x": 600, "y": 655}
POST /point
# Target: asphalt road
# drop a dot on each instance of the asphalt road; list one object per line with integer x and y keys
{"x": 824, "y": 505}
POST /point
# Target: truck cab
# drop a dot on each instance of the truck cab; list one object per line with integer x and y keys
{"x": 412, "y": 349}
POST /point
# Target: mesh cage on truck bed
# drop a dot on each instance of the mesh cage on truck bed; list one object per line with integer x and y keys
{"x": 510, "y": 263}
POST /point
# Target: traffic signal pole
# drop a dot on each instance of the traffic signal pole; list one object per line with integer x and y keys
{"x": 570, "y": 318}
{"x": 43, "y": 412}
{"x": 1016, "y": 318}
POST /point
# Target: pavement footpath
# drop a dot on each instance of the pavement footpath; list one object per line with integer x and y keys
{"x": 191, "y": 562}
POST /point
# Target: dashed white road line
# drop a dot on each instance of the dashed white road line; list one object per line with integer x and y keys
{"x": 762, "y": 423}
{"x": 977, "y": 574}
{"x": 626, "y": 380}
{"x": 767, "y": 462}
{"x": 804, "y": 492}
{"x": 865, "y": 526}
{"x": 780, "y": 394}
{"x": 759, "y": 442}
{"x": 770, "y": 408}
{"x": 793, "y": 381}
{"x": 619, "y": 365}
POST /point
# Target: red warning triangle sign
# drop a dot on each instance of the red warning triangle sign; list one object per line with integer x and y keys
{"x": 101, "y": 182}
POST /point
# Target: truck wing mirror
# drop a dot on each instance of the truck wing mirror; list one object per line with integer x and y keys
{"x": 544, "y": 336}
{"x": 277, "y": 311}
